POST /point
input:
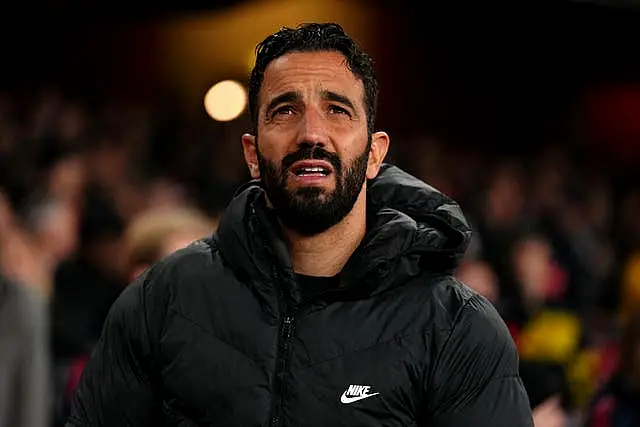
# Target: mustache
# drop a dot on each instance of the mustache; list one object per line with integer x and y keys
{"x": 312, "y": 153}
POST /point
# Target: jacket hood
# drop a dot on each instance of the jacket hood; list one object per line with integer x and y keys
{"x": 411, "y": 227}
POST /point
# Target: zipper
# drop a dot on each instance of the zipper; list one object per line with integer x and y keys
{"x": 281, "y": 368}
{"x": 287, "y": 327}
{"x": 284, "y": 345}
{"x": 284, "y": 334}
{"x": 282, "y": 358}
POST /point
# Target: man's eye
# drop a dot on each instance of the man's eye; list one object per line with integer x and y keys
{"x": 284, "y": 110}
{"x": 335, "y": 109}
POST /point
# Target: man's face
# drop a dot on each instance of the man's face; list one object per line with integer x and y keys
{"x": 312, "y": 140}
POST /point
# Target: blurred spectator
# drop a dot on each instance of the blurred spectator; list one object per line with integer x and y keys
{"x": 548, "y": 392}
{"x": 87, "y": 284}
{"x": 628, "y": 226}
{"x": 479, "y": 276}
{"x": 630, "y": 292}
{"x": 617, "y": 404}
{"x": 538, "y": 278}
{"x": 500, "y": 218}
{"x": 25, "y": 387}
{"x": 541, "y": 330}
{"x": 150, "y": 236}
{"x": 66, "y": 179}
{"x": 24, "y": 251}
{"x": 550, "y": 172}
{"x": 154, "y": 234}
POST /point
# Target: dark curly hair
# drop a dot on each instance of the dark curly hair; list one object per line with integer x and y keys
{"x": 315, "y": 37}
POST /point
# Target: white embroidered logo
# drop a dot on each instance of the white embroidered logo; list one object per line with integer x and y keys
{"x": 355, "y": 393}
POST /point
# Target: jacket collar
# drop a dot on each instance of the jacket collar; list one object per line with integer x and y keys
{"x": 412, "y": 227}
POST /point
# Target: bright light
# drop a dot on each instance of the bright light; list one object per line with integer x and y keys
{"x": 225, "y": 100}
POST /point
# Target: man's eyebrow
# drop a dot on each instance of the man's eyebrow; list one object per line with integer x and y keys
{"x": 281, "y": 99}
{"x": 336, "y": 97}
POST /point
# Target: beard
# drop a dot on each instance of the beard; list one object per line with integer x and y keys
{"x": 312, "y": 210}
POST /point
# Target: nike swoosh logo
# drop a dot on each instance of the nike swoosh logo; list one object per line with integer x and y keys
{"x": 346, "y": 399}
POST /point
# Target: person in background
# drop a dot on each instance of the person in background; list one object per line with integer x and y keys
{"x": 86, "y": 285}
{"x": 154, "y": 234}
{"x": 617, "y": 403}
{"x": 151, "y": 236}
{"x": 479, "y": 276}
{"x": 542, "y": 329}
{"x": 25, "y": 353}
{"x": 25, "y": 385}
{"x": 630, "y": 287}
{"x": 548, "y": 391}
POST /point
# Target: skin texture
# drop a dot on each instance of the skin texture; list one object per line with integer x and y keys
{"x": 312, "y": 101}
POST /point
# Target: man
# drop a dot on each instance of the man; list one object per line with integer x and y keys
{"x": 325, "y": 297}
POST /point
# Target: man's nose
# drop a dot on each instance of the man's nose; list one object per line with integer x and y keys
{"x": 313, "y": 129}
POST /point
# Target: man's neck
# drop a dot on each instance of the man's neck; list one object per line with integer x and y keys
{"x": 327, "y": 253}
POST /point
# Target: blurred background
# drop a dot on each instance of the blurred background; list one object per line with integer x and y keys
{"x": 117, "y": 147}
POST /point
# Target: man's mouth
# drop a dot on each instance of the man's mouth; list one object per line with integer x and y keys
{"x": 311, "y": 169}
{"x": 312, "y": 172}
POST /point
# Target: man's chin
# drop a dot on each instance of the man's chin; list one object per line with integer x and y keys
{"x": 310, "y": 194}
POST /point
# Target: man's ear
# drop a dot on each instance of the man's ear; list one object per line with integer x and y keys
{"x": 250, "y": 151}
{"x": 377, "y": 152}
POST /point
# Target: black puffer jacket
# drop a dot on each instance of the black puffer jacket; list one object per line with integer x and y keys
{"x": 217, "y": 334}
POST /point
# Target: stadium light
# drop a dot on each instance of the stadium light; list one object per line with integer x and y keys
{"x": 225, "y": 100}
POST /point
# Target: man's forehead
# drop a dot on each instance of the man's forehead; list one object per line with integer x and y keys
{"x": 315, "y": 58}
{"x": 309, "y": 72}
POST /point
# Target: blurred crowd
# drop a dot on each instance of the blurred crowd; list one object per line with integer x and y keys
{"x": 557, "y": 250}
{"x": 88, "y": 199}
{"x": 90, "y": 195}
